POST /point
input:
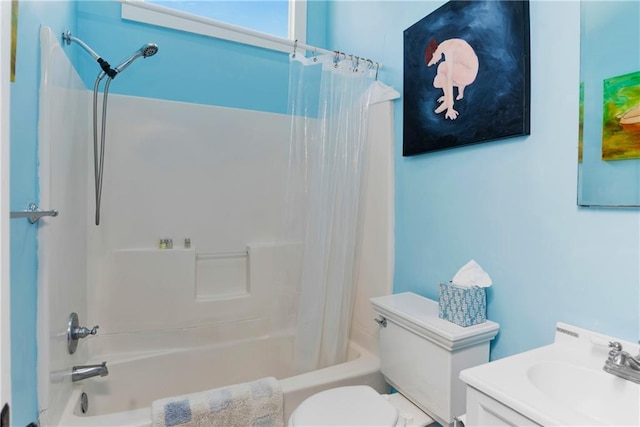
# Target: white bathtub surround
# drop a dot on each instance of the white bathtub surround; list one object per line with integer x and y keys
{"x": 185, "y": 170}
{"x": 257, "y": 402}
{"x": 214, "y": 175}
{"x": 63, "y": 132}
{"x": 329, "y": 100}
{"x": 375, "y": 257}
{"x": 156, "y": 290}
{"x": 177, "y": 169}
{"x": 200, "y": 171}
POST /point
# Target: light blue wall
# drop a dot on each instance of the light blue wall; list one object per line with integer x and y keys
{"x": 24, "y": 189}
{"x": 188, "y": 67}
{"x": 509, "y": 204}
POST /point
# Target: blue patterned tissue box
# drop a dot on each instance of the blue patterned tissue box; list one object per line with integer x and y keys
{"x": 462, "y": 306}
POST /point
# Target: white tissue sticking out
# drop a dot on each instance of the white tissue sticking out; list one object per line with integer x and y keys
{"x": 471, "y": 274}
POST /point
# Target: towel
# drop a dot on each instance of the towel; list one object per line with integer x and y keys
{"x": 257, "y": 404}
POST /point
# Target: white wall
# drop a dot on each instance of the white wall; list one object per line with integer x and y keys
{"x": 63, "y": 134}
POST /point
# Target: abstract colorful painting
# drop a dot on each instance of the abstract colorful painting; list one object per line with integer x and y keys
{"x": 621, "y": 117}
{"x": 14, "y": 37}
{"x": 466, "y": 75}
{"x": 581, "y": 123}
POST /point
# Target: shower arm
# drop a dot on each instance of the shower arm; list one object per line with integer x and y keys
{"x": 106, "y": 68}
{"x": 67, "y": 37}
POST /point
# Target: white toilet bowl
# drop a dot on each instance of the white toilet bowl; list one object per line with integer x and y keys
{"x": 357, "y": 406}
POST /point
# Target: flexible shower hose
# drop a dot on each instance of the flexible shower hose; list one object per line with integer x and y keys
{"x": 98, "y": 159}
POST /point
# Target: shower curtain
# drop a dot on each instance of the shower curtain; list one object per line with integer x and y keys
{"x": 329, "y": 101}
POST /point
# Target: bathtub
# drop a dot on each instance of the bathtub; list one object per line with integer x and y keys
{"x": 123, "y": 398}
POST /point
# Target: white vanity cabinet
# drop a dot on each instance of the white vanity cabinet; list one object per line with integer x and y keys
{"x": 483, "y": 410}
{"x": 562, "y": 384}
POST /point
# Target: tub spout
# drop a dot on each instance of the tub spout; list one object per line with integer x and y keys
{"x": 83, "y": 372}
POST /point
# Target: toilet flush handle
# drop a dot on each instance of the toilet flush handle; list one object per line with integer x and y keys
{"x": 382, "y": 321}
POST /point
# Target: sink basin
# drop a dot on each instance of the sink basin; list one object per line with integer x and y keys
{"x": 562, "y": 384}
{"x": 608, "y": 399}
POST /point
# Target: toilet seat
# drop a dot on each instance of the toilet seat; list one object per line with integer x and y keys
{"x": 346, "y": 406}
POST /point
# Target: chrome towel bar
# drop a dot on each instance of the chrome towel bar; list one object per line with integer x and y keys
{"x": 33, "y": 213}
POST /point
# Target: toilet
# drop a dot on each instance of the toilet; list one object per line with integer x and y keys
{"x": 421, "y": 357}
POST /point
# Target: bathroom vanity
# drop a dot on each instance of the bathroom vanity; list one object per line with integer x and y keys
{"x": 560, "y": 384}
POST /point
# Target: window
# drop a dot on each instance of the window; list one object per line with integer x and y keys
{"x": 270, "y": 16}
{"x": 264, "y": 23}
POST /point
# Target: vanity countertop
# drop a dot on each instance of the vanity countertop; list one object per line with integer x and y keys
{"x": 562, "y": 383}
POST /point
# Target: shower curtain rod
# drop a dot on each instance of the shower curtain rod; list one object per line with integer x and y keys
{"x": 294, "y": 44}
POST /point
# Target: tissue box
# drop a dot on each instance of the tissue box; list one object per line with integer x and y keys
{"x": 462, "y": 306}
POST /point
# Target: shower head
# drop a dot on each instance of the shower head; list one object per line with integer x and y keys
{"x": 149, "y": 49}
{"x": 145, "y": 51}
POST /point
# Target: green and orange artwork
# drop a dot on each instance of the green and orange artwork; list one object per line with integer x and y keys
{"x": 14, "y": 37}
{"x": 581, "y": 123}
{"x": 621, "y": 117}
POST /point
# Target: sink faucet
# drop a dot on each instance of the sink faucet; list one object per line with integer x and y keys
{"x": 83, "y": 372}
{"x": 622, "y": 364}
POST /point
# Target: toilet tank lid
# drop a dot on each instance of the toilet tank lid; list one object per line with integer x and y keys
{"x": 420, "y": 315}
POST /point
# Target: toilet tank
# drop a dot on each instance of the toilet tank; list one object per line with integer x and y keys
{"x": 422, "y": 355}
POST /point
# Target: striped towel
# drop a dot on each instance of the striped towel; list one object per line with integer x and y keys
{"x": 253, "y": 404}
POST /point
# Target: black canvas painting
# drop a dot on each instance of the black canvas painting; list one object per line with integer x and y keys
{"x": 466, "y": 75}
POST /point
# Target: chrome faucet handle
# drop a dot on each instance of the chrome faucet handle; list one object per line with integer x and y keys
{"x": 83, "y": 332}
{"x": 616, "y": 355}
{"x": 75, "y": 332}
{"x": 621, "y": 364}
{"x": 615, "y": 345}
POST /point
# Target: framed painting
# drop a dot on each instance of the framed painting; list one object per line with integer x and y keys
{"x": 466, "y": 75}
{"x": 14, "y": 37}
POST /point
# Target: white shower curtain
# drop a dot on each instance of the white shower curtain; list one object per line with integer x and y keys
{"x": 329, "y": 101}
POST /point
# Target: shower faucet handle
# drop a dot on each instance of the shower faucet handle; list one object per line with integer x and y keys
{"x": 83, "y": 332}
{"x": 75, "y": 332}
